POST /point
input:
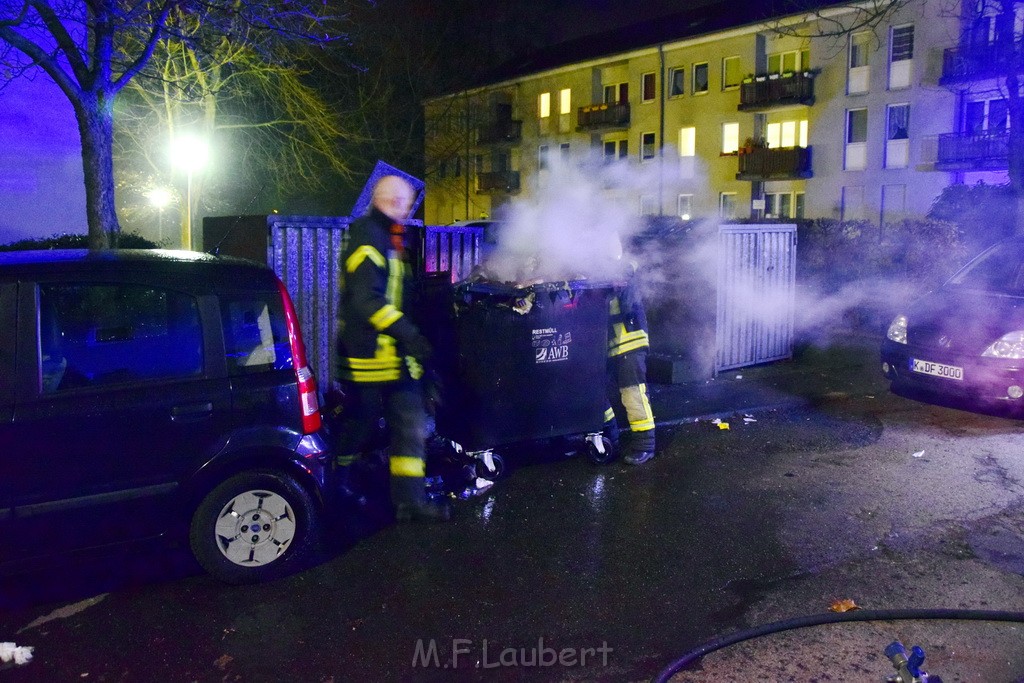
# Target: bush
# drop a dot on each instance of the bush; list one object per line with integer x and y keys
{"x": 75, "y": 241}
{"x": 984, "y": 213}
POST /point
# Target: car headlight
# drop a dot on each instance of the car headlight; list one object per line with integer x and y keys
{"x": 898, "y": 329}
{"x": 1010, "y": 345}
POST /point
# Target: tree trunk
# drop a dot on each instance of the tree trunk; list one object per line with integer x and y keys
{"x": 96, "y": 127}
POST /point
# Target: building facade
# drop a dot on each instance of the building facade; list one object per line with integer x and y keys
{"x": 786, "y": 118}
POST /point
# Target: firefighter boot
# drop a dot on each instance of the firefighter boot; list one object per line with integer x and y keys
{"x": 639, "y": 447}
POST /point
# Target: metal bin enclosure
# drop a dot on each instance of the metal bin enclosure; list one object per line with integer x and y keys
{"x": 519, "y": 364}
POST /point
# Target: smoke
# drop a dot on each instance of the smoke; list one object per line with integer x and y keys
{"x": 583, "y": 211}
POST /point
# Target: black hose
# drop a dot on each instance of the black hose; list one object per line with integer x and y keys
{"x": 820, "y": 619}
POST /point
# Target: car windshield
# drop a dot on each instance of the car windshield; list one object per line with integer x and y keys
{"x": 999, "y": 270}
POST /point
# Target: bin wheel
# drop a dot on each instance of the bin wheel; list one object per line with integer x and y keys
{"x": 490, "y": 470}
{"x": 603, "y": 454}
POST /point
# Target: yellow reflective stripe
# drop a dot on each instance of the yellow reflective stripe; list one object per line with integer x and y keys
{"x": 628, "y": 342}
{"x": 385, "y": 317}
{"x": 371, "y": 363}
{"x": 394, "y": 286}
{"x": 638, "y": 408}
{"x": 374, "y": 375}
{"x": 415, "y": 369}
{"x": 362, "y": 253}
{"x": 641, "y": 426}
{"x": 609, "y": 415}
{"x": 346, "y": 460}
{"x": 613, "y": 307}
{"x": 406, "y": 466}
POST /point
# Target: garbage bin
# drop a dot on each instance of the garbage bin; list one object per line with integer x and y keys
{"x": 519, "y": 364}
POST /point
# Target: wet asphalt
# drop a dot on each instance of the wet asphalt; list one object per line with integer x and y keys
{"x": 569, "y": 571}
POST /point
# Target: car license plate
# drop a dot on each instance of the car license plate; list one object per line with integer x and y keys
{"x": 927, "y": 367}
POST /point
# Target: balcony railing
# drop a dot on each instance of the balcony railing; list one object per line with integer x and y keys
{"x": 763, "y": 163}
{"x": 498, "y": 182}
{"x": 978, "y": 151}
{"x": 603, "y": 116}
{"x": 765, "y": 92}
{"x": 976, "y": 62}
{"x": 500, "y": 132}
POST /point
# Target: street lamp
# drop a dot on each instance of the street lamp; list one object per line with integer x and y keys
{"x": 191, "y": 153}
{"x": 159, "y": 197}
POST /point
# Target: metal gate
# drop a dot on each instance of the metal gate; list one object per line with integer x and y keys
{"x": 756, "y": 294}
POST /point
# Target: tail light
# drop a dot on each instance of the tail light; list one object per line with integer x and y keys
{"x": 311, "y": 421}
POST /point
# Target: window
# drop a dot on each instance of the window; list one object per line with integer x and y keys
{"x": 255, "y": 338}
{"x": 897, "y": 134}
{"x": 687, "y": 151}
{"x": 676, "y": 81}
{"x": 700, "y": 78}
{"x": 684, "y": 206}
{"x": 730, "y": 138}
{"x": 95, "y": 335}
{"x": 648, "y": 146}
{"x": 563, "y": 150}
{"x": 859, "y": 72}
{"x": 731, "y": 75}
{"x": 894, "y": 203}
{"x": 616, "y": 149}
{"x": 648, "y": 87}
{"x": 901, "y": 54}
{"x": 798, "y": 203}
{"x": 544, "y": 105}
{"x": 687, "y": 141}
{"x": 852, "y": 203}
{"x": 788, "y": 62}
{"x": 727, "y": 205}
{"x": 648, "y": 205}
{"x": 986, "y": 116}
{"x": 565, "y": 101}
{"x": 542, "y": 157}
{"x": 616, "y": 94}
{"x": 778, "y": 205}
{"x": 786, "y": 134}
{"x": 856, "y": 139}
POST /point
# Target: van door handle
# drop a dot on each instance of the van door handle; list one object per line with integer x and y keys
{"x": 191, "y": 412}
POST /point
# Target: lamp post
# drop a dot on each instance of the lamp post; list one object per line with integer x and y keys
{"x": 189, "y": 152}
{"x": 159, "y": 197}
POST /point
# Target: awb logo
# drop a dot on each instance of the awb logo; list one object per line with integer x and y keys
{"x": 550, "y": 354}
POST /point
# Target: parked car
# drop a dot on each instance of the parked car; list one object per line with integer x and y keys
{"x": 964, "y": 342}
{"x": 156, "y": 393}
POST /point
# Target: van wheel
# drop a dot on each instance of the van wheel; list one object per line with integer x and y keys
{"x": 253, "y": 527}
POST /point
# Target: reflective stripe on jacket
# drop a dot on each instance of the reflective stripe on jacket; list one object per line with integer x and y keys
{"x": 627, "y": 320}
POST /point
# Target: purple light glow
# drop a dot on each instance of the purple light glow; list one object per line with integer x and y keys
{"x": 42, "y": 188}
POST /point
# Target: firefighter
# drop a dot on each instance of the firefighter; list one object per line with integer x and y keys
{"x": 628, "y": 345}
{"x": 380, "y": 353}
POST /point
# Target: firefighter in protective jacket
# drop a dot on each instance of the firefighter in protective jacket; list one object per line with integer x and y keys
{"x": 628, "y": 345}
{"x": 380, "y": 353}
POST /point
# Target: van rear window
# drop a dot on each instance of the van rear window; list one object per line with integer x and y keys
{"x": 98, "y": 334}
{"x": 255, "y": 334}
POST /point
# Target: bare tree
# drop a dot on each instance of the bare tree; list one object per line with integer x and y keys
{"x": 93, "y": 49}
{"x": 990, "y": 55}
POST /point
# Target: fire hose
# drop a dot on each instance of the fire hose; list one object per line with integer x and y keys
{"x": 895, "y": 651}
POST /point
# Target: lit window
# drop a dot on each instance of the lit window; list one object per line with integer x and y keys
{"x": 772, "y": 135}
{"x": 788, "y": 134}
{"x": 731, "y": 75}
{"x": 687, "y": 141}
{"x": 730, "y": 138}
{"x": 565, "y": 101}
{"x": 700, "y": 78}
{"x": 677, "y": 81}
{"x": 648, "y": 90}
{"x": 803, "y": 133}
{"x": 544, "y": 105}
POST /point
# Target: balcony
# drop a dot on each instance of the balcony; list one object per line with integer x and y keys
{"x": 765, "y": 92}
{"x": 763, "y": 163}
{"x": 497, "y": 182}
{"x": 597, "y": 116}
{"x": 500, "y": 132}
{"x": 973, "y": 152}
{"x": 977, "y": 62}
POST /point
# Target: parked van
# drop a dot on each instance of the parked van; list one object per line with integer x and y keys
{"x": 154, "y": 393}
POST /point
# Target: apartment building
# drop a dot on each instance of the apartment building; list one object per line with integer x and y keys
{"x": 741, "y": 116}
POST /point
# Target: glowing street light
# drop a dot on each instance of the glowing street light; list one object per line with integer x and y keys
{"x": 190, "y": 153}
{"x": 160, "y": 198}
